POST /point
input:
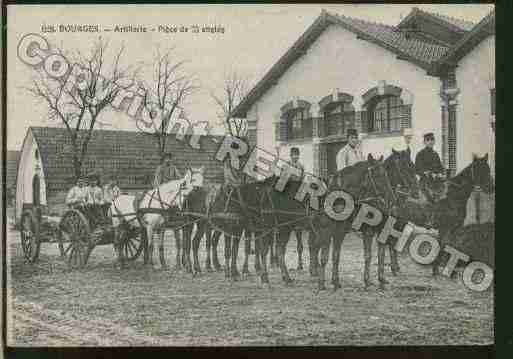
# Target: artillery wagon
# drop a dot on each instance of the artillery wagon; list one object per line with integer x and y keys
{"x": 45, "y": 175}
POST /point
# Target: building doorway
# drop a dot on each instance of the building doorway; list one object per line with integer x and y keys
{"x": 332, "y": 150}
{"x": 36, "y": 191}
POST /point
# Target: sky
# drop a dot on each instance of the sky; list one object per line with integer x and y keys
{"x": 254, "y": 38}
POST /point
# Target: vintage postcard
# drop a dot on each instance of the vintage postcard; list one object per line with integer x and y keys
{"x": 250, "y": 175}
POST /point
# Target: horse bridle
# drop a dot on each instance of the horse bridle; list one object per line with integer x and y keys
{"x": 378, "y": 196}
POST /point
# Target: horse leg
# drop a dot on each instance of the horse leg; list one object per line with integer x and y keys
{"x": 274, "y": 254}
{"x": 195, "y": 245}
{"x": 283, "y": 239}
{"x": 227, "y": 254}
{"x": 118, "y": 247}
{"x": 299, "y": 240}
{"x": 261, "y": 251}
{"x": 313, "y": 248}
{"x": 335, "y": 259}
{"x": 179, "y": 249}
{"x": 208, "y": 245}
{"x": 161, "y": 250}
{"x": 149, "y": 233}
{"x": 247, "y": 250}
{"x": 235, "y": 252}
{"x": 381, "y": 265}
{"x": 324, "y": 242}
{"x": 367, "y": 255}
{"x": 258, "y": 250}
{"x": 215, "y": 258}
{"x": 394, "y": 263}
{"x": 186, "y": 253}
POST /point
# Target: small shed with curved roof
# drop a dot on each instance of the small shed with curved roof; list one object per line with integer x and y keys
{"x": 45, "y": 171}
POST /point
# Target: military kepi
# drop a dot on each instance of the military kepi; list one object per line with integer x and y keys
{"x": 352, "y": 132}
{"x": 429, "y": 136}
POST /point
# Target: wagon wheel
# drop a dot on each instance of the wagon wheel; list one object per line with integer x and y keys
{"x": 30, "y": 240}
{"x": 131, "y": 242}
{"x": 74, "y": 240}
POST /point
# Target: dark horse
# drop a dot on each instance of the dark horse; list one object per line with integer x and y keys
{"x": 450, "y": 212}
{"x": 367, "y": 182}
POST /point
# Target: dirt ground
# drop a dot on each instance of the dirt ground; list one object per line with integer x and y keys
{"x": 103, "y": 306}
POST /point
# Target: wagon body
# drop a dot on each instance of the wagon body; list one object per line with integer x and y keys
{"x": 76, "y": 234}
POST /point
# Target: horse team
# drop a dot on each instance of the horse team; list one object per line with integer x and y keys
{"x": 261, "y": 211}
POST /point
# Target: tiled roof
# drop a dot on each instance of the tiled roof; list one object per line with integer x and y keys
{"x": 11, "y": 167}
{"x": 419, "y": 52}
{"x": 459, "y": 23}
{"x": 483, "y": 29}
{"x": 131, "y": 156}
{"x": 394, "y": 40}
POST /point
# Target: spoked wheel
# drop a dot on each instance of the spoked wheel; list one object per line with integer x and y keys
{"x": 131, "y": 241}
{"x": 30, "y": 236}
{"x": 74, "y": 240}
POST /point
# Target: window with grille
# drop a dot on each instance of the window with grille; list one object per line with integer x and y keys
{"x": 388, "y": 114}
{"x": 338, "y": 118}
{"x": 299, "y": 124}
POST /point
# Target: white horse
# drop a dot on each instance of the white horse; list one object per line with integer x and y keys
{"x": 152, "y": 208}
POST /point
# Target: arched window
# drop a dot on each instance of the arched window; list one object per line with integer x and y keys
{"x": 299, "y": 123}
{"x": 338, "y": 117}
{"x": 385, "y": 110}
{"x": 295, "y": 121}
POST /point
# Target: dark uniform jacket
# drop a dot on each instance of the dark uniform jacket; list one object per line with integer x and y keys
{"x": 165, "y": 173}
{"x": 428, "y": 160}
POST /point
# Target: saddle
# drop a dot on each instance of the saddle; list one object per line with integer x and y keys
{"x": 434, "y": 189}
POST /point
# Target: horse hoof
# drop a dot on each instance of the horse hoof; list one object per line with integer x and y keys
{"x": 299, "y": 268}
{"x": 336, "y": 286}
{"x": 165, "y": 267}
{"x": 209, "y": 269}
{"x": 246, "y": 272}
{"x": 321, "y": 287}
{"x": 383, "y": 281}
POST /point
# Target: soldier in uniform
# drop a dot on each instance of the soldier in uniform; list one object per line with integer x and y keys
{"x": 429, "y": 166}
{"x": 431, "y": 172}
{"x": 351, "y": 152}
{"x": 164, "y": 173}
{"x": 77, "y": 195}
{"x": 294, "y": 162}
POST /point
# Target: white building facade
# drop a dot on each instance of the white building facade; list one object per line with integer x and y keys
{"x": 348, "y": 73}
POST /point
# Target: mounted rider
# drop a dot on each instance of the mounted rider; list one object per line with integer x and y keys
{"x": 430, "y": 169}
{"x": 167, "y": 172}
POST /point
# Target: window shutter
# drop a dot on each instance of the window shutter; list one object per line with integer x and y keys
{"x": 406, "y": 116}
{"x": 364, "y": 120}
{"x": 281, "y": 130}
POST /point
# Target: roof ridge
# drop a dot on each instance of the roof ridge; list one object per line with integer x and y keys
{"x": 450, "y": 19}
{"x": 361, "y": 20}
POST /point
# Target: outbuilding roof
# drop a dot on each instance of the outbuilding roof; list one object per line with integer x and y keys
{"x": 130, "y": 156}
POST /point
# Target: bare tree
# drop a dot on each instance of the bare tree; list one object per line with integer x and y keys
{"x": 77, "y": 104}
{"x": 165, "y": 96}
{"x": 235, "y": 87}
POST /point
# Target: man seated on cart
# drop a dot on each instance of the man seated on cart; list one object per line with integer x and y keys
{"x": 110, "y": 192}
{"x": 95, "y": 200}
{"x": 77, "y": 195}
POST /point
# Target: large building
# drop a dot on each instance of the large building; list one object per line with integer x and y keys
{"x": 430, "y": 73}
{"x": 45, "y": 170}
